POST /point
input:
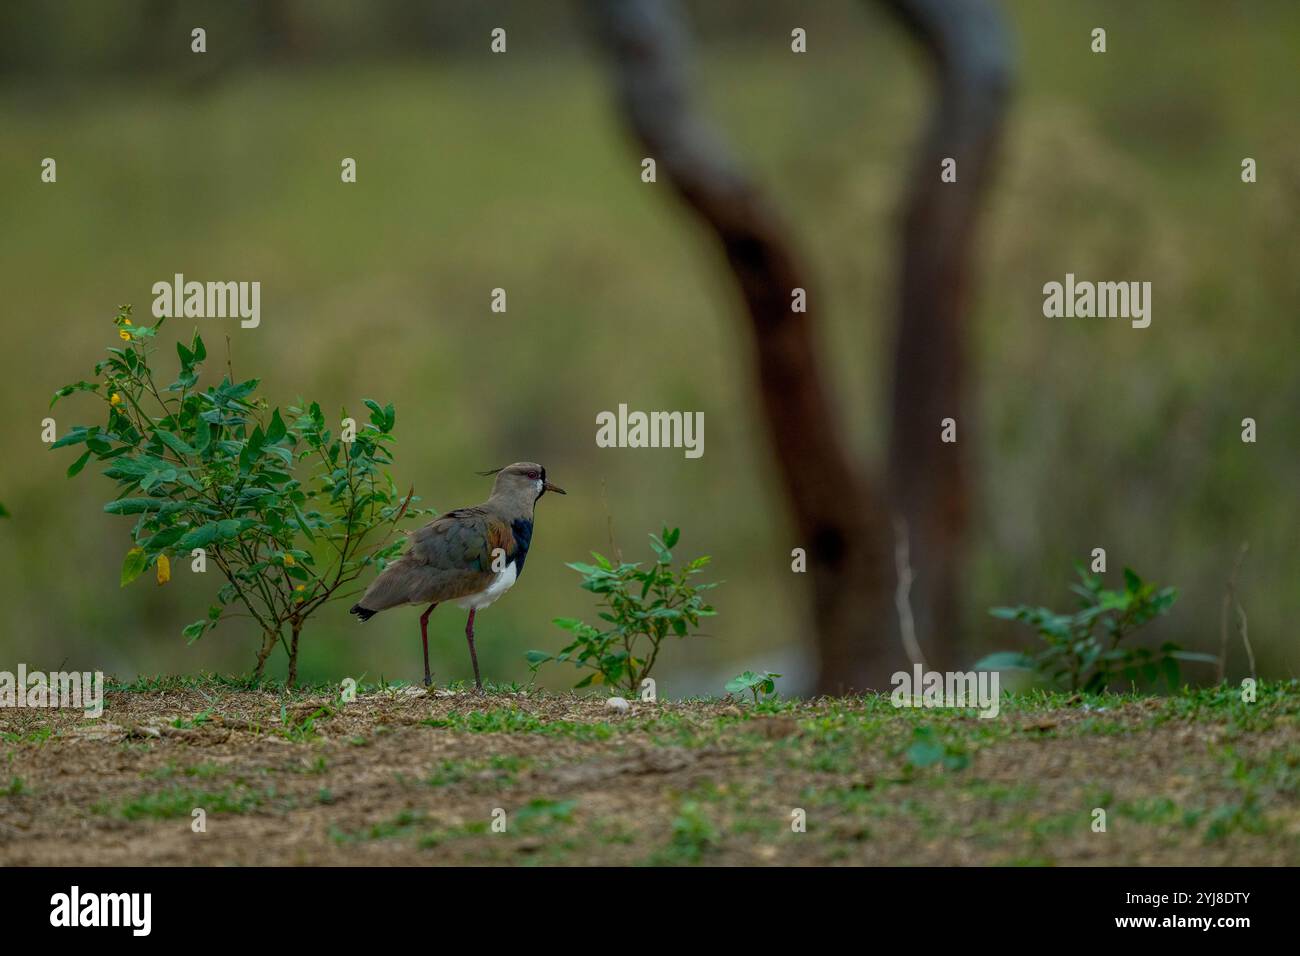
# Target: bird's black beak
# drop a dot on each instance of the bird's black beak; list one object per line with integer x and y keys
{"x": 547, "y": 486}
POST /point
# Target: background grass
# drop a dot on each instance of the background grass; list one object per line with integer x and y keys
{"x": 477, "y": 172}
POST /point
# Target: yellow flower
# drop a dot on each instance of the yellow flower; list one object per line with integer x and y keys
{"x": 124, "y": 335}
{"x": 164, "y": 569}
{"x": 289, "y": 561}
{"x": 126, "y": 321}
{"x": 116, "y": 399}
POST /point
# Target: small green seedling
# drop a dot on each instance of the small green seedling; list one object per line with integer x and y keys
{"x": 928, "y": 748}
{"x": 642, "y": 608}
{"x": 762, "y": 682}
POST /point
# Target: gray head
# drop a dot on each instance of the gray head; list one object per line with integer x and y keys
{"x": 524, "y": 482}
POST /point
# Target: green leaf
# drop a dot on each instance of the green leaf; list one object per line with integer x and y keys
{"x": 955, "y": 761}
{"x": 133, "y": 566}
{"x": 926, "y": 749}
{"x": 252, "y": 449}
{"x": 378, "y": 415}
{"x": 236, "y": 393}
{"x": 1194, "y": 656}
{"x": 79, "y": 464}
{"x": 164, "y": 539}
{"x": 134, "y": 506}
{"x": 301, "y": 520}
{"x": 383, "y": 418}
{"x": 215, "y": 531}
{"x": 1007, "y": 613}
{"x": 202, "y": 437}
{"x": 660, "y": 549}
{"x": 174, "y": 443}
{"x": 67, "y": 390}
{"x": 75, "y": 436}
{"x": 1004, "y": 661}
{"x": 277, "y": 429}
{"x": 1132, "y": 583}
{"x": 743, "y": 681}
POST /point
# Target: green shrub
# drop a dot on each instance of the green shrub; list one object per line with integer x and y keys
{"x": 288, "y": 511}
{"x": 1082, "y": 650}
{"x": 642, "y": 608}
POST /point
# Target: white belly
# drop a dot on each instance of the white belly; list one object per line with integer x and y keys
{"x": 502, "y": 583}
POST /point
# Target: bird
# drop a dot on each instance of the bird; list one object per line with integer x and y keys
{"x": 470, "y": 555}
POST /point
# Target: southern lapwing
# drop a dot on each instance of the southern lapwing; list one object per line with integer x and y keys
{"x": 471, "y": 556}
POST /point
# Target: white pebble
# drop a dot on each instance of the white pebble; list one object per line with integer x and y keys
{"x": 619, "y": 704}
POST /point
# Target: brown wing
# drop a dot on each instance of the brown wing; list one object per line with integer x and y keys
{"x": 448, "y": 558}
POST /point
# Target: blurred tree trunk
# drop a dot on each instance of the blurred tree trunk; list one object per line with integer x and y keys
{"x": 967, "y": 43}
{"x": 842, "y": 517}
{"x": 281, "y": 30}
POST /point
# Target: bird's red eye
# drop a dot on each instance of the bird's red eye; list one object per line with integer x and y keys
{"x": 533, "y": 476}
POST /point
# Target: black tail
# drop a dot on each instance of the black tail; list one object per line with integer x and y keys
{"x": 364, "y": 613}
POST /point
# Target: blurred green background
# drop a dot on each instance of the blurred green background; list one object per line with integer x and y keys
{"x": 477, "y": 171}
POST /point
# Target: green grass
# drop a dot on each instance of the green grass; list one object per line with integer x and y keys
{"x": 178, "y": 801}
{"x": 536, "y": 818}
{"x": 495, "y": 771}
{"x": 690, "y": 783}
{"x": 693, "y": 835}
{"x": 195, "y": 722}
{"x": 512, "y": 720}
{"x": 212, "y": 681}
{"x": 38, "y": 736}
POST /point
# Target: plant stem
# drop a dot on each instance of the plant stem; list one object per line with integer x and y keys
{"x": 296, "y": 625}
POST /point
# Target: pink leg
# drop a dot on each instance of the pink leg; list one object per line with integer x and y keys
{"x": 473, "y": 657}
{"x": 424, "y": 636}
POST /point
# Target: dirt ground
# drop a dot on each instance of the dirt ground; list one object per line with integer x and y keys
{"x": 399, "y": 776}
